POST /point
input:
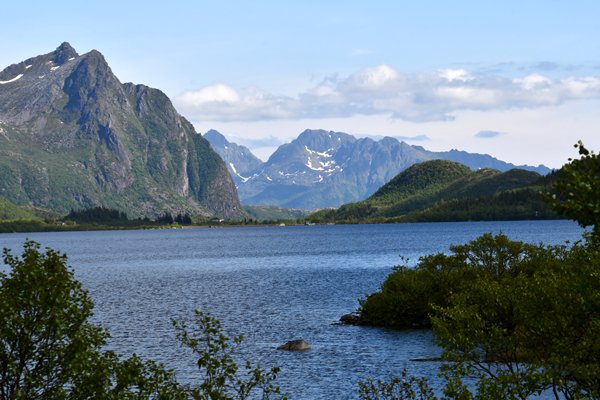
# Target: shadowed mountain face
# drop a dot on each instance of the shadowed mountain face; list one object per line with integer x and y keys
{"x": 240, "y": 161}
{"x": 326, "y": 169}
{"x": 73, "y": 136}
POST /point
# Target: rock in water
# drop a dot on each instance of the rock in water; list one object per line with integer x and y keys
{"x": 295, "y": 345}
{"x": 350, "y": 319}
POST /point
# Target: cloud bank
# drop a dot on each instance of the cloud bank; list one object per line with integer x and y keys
{"x": 383, "y": 90}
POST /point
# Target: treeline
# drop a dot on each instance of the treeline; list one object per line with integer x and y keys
{"x": 97, "y": 215}
{"x": 109, "y": 216}
{"x": 91, "y": 219}
{"x": 524, "y": 204}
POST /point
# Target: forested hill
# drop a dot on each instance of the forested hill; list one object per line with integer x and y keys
{"x": 442, "y": 190}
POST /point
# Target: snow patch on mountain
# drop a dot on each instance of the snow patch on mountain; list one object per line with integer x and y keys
{"x": 16, "y": 78}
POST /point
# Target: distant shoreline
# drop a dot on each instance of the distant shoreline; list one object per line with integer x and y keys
{"x": 36, "y": 226}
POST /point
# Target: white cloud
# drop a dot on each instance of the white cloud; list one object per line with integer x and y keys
{"x": 374, "y": 78}
{"x": 533, "y": 81}
{"x": 455, "y": 75}
{"x": 223, "y": 103}
{"x": 218, "y": 93}
{"x": 383, "y": 90}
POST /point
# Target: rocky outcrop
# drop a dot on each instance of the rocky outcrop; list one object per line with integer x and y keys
{"x": 295, "y": 345}
{"x": 350, "y": 319}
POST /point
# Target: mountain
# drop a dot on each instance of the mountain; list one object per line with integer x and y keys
{"x": 441, "y": 190}
{"x": 323, "y": 169}
{"x": 73, "y": 136}
{"x": 241, "y": 163}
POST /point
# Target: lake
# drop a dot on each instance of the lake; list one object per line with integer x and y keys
{"x": 273, "y": 284}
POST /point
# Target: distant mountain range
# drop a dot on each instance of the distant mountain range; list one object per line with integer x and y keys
{"x": 73, "y": 136}
{"x": 441, "y": 190}
{"x": 321, "y": 169}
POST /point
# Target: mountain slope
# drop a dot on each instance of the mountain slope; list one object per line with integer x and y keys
{"x": 440, "y": 190}
{"x": 326, "y": 169}
{"x": 73, "y": 136}
{"x": 10, "y": 211}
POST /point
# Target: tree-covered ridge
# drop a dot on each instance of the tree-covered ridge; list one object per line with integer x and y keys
{"x": 427, "y": 177}
{"x": 447, "y": 191}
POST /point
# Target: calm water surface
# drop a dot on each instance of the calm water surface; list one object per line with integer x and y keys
{"x": 272, "y": 284}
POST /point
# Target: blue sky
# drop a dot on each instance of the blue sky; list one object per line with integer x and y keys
{"x": 516, "y": 79}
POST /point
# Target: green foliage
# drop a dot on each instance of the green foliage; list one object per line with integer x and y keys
{"x": 397, "y": 388}
{"x": 517, "y": 319}
{"x": 409, "y": 295}
{"x": 10, "y": 211}
{"x": 525, "y": 321}
{"x": 577, "y": 190}
{"x": 222, "y": 378}
{"x": 520, "y": 204}
{"x": 533, "y": 329}
{"x": 45, "y": 337}
{"x": 424, "y": 176}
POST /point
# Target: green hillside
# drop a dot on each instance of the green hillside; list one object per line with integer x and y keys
{"x": 448, "y": 191}
{"x": 11, "y": 212}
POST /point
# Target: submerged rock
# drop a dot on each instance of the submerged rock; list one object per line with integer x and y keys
{"x": 295, "y": 345}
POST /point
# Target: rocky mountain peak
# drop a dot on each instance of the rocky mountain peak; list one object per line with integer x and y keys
{"x": 216, "y": 138}
{"x": 322, "y": 140}
{"x": 64, "y": 53}
{"x": 75, "y": 136}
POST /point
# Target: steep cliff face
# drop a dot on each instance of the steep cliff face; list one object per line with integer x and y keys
{"x": 73, "y": 136}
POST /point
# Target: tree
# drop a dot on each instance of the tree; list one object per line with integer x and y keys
{"x": 514, "y": 320}
{"x": 45, "y": 336}
{"x": 577, "y": 190}
{"x": 534, "y": 330}
{"x": 48, "y": 347}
